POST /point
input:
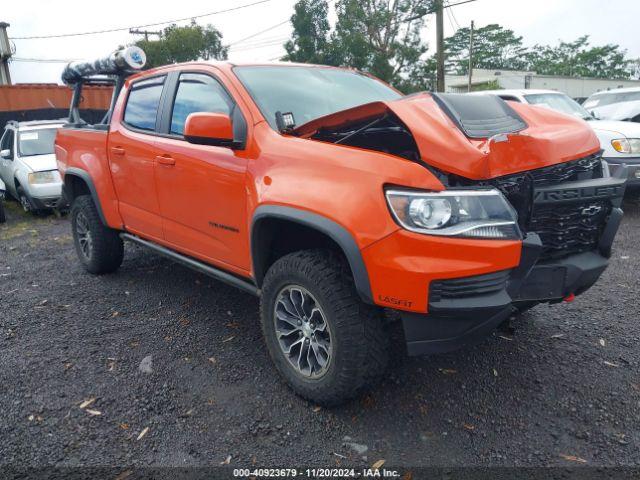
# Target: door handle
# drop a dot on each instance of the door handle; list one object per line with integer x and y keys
{"x": 165, "y": 160}
{"x": 117, "y": 150}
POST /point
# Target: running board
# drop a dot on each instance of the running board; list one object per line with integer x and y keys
{"x": 194, "y": 264}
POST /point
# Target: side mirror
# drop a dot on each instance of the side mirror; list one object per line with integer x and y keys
{"x": 6, "y": 153}
{"x": 209, "y": 129}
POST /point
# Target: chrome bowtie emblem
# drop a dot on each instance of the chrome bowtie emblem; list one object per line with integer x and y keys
{"x": 591, "y": 210}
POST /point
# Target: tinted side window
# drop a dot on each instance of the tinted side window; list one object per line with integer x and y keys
{"x": 197, "y": 92}
{"x": 142, "y": 106}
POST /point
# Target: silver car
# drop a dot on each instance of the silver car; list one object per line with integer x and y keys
{"x": 28, "y": 164}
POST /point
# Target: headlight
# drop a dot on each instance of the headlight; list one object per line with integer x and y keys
{"x": 50, "y": 176}
{"x": 460, "y": 213}
{"x": 626, "y": 145}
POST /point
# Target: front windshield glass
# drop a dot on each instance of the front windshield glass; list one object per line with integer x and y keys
{"x": 560, "y": 103}
{"x": 309, "y": 92}
{"x": 36, "y": 142}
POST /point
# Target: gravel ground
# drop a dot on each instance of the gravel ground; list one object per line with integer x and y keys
{"x": 172, "y": 370}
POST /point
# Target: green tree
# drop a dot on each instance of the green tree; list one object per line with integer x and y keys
{"x": 183, "y": 44}
{"x": 310, "y": 39}
{"x": 579, "y": 59}
{"x": 494, "y": 47}
{"x": 381, "y": 37}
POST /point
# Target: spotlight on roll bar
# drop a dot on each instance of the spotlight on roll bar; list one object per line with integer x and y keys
{"x": 109, "y": 70}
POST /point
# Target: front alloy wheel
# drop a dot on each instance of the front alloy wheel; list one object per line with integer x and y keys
{"x": 303, "y": 333}
{"x": 83, "y": 234}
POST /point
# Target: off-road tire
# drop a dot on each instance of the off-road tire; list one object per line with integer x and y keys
{"x": 359, "y": 338}
{"x": 107, "y": 249}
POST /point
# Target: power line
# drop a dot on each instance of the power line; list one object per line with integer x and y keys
{"x": 258, "y": 33}
{"x": 453, "y": 16}
{"x": 121, "y": 29}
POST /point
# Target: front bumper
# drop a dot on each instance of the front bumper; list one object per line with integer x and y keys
{"x": 617, "y": 164}
{"x": 47, "y": 195}
{"x": 465, "y": 320}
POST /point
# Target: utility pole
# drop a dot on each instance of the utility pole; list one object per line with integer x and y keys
{"x": 470, "y": 55}
{"x": 439, "y": 47}
{"x": 146, "y": 33}
{"x": 5, "y": 54}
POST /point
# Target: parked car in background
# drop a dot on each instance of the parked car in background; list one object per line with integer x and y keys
{"x": 620, "y": 141}
{"x": 28, "y": 164}
{"x": 618, "y": 104}
{"x": 2, "y": 194}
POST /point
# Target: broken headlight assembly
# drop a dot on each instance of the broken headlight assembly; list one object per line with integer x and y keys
{"x": 455, "y": 213}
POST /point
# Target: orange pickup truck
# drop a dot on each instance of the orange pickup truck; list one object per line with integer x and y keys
{"x": 334, "y": 197}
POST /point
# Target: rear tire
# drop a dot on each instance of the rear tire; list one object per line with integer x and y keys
{"x": 346, "y": 342}
{"x": 99, "y": 248}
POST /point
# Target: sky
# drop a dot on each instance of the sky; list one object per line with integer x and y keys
{"x": 538, "y": 21}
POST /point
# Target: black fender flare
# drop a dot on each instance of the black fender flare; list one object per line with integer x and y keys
{"x": 86, "y": 178}
{"x": 324, "y": 225}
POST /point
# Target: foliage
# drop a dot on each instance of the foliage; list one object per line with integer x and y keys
{"x": 183, "y": 44}
{"x": 310, "y": 39}
{"x": 491, "y": 85}
{"x": 378, "y": 36}
{"x": 384, "y": 38}
{"x": 494, "y": 47}
{"x": 579, "y": 59}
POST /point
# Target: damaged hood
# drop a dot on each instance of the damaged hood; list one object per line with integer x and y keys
{"x": 453, "y": 143}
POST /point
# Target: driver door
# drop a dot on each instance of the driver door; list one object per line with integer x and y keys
{"x": 201, "y": 188}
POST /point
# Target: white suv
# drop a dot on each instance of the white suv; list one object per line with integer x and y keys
{"x": 616, "y": 104}
{"x": 620, "y": 141}
{"x": 28, "y": 164}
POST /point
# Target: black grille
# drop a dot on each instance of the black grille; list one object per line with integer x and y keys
{"x": 569, "y": 229}
{"x": 565, "y": 228}
{"x": 468, "y": 286}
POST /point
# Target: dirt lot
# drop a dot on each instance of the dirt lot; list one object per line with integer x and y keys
{"x": 172, "y": 370}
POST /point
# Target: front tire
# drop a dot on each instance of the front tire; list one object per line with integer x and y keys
{"x": 99, "y": 248}
{"x": 326, "y": 343}
{"x": 25, "y": 202}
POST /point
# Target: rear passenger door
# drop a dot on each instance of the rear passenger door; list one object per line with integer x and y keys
{"x": 201, "y": 188}
{"x": 132, "y": 157}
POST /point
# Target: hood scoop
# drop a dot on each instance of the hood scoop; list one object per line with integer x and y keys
{"x": 481, "y": 116}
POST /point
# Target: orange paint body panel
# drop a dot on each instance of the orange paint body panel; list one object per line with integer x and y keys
{"x": 402, "y": 265}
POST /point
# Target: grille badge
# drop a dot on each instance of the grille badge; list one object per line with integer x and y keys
{"x": 591, "y": 210}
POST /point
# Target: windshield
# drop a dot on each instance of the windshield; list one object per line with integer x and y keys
{"x": 559, "y": 102}
{"x": 610, "y": 98}
{"x": 309, "y": 92}
{"x": 36, "y": 142}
